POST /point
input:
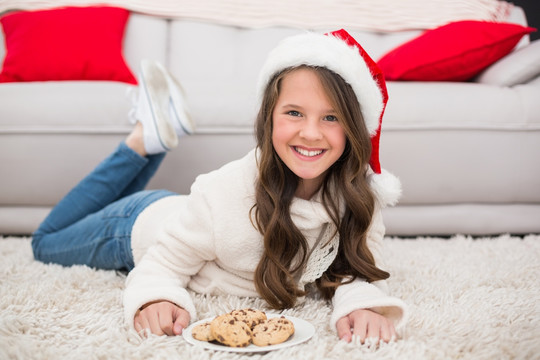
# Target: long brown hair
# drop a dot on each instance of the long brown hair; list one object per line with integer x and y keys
{"x": 345, "y": 187}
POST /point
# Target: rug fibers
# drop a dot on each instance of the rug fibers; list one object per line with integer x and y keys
{"x": 468, "y": 299}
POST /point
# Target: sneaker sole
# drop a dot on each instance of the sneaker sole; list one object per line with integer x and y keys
{"x": 158, "y": 94}
{"x": 179, "y": 105}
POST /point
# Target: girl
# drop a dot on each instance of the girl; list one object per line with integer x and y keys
{"x": 301, "y": 209}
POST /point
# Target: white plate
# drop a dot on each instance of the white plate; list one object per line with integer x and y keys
{"x": 303, "y": 331}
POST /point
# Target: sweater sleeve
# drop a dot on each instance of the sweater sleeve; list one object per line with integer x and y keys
{"x": 360, "y": 294}
{"x": 183, "y": 244}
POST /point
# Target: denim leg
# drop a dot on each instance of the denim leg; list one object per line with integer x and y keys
{"x": 100, "y": 240}
{"x": 79, "y": 222}
{"x": 98, "y": 189}
{"x": 145, "y": 174}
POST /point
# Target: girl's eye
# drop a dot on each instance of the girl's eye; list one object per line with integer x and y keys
{"x": 330, "y": 118}
{"x": 293, "y": 113}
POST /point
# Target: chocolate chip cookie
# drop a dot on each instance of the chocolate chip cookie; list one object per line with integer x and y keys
{"x": 273, "y": 331}
{"x": 202, "y": 332}
{"x": 231, "y": 332}
{"x": 250, "y": 316}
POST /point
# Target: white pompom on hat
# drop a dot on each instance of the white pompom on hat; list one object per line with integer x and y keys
{"x": 340, "y": 52}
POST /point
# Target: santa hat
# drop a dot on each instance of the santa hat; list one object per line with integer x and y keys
{"x": 339, "y": 52}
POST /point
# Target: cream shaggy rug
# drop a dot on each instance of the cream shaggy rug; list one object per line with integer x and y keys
{"x": 468, "y": 298}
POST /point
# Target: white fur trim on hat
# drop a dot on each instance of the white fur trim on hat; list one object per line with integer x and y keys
{"x": 327, "y": 51}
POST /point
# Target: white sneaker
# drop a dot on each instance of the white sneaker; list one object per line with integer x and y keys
{"x": 178, "y": 109}
{"x": 152, "y": 109}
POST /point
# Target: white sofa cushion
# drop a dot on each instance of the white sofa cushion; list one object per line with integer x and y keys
{"x": 519, "y": 67}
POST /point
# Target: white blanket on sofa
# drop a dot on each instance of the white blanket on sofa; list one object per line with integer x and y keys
{"x": 387, "y": 15}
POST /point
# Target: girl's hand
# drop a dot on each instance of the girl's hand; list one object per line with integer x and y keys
{"x": 161, "y": 317}
{"x": 365, "y": 324}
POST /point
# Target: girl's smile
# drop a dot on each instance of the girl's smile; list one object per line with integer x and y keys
{"x": 309, "y": 154}
{"x": 307, "y": 135}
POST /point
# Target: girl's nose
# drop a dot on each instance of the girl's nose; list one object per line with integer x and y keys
{"x": 311, "y": 130}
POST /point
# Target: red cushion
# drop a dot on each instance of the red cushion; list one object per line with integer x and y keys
{"x": 72, "y": 43}
{"x": 454, "y": 52}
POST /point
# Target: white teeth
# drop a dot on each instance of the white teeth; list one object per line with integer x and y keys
{"x": 307, "y": 152}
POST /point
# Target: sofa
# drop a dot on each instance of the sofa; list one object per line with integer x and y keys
{"x": 466, "y": 152}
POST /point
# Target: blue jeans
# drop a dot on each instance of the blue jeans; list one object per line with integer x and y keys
{"x": 92, "y": 224}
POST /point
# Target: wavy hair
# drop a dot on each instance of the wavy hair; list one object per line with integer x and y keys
{"x": 346, "y": 196}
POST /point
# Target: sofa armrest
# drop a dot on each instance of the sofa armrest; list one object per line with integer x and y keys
{"x": 518, "y": 67}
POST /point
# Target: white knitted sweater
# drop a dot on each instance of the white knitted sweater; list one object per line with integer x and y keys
{"x": 206, "y": 242}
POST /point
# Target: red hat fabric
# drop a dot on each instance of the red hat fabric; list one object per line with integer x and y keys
{"x": 339, "y": 52}
{"x": 378, "y": 77}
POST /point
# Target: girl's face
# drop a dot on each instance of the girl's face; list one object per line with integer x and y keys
{"x": 307, "y": 135}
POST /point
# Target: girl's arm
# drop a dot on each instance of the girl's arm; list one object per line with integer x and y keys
{"x": 360, "y": 304}
{"x": 184, "y": 244}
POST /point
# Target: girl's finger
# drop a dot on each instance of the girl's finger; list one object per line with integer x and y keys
{"x": 343, "y": 327}
{"x": 181, "y": 322}
{"x": 165, "y": 321}
{"x": 361, "y": 328}
{"x": 374, "y": 329}
{"x": 154, "y": 322}
{"x": 387, "y": 332}
{"x": 141, "y": 324}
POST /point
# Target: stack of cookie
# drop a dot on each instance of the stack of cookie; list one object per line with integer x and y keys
{"x": 239, "y": 328}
